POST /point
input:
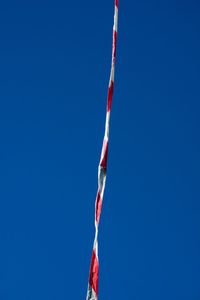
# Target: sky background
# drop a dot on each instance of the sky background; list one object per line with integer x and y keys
{"x": 54, "y": 70}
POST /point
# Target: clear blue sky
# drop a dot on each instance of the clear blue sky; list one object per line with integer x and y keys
{"x": 54, "y": 71}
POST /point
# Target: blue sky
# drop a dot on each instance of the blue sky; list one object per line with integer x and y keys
{"x": 54, "y": 71}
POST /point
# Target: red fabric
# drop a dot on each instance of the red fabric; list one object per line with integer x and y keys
{"x": 110, "y": 95}
{"x": 104, "y": 159}
{"x": 98, "y": 207}
{"x": 117, "y": 3}
{"x": 94, "y": 271}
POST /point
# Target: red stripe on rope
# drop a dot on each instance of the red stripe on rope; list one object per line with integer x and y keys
{"x": 110, "y": 95}
{"x": 98, "y": 206}
{"x": 94, "y": 270}
{"x": 114, "y": 43}
{"x": 104, "y": 159}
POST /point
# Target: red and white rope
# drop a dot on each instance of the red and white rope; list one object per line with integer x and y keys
{"x": 92, "y": 292}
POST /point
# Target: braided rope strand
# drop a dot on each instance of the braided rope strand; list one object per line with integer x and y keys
{"x": 92, "y": 292}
